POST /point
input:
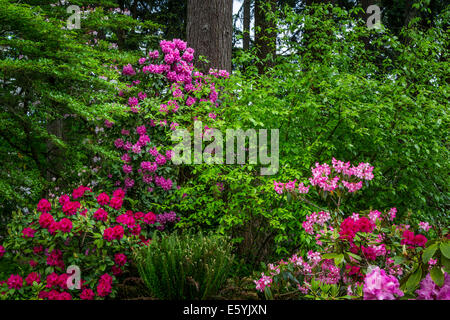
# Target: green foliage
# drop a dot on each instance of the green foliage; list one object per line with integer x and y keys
{"x": 52, "y": 85}
{"x": 187, "y": 266}
{"x": 333, "y": 95}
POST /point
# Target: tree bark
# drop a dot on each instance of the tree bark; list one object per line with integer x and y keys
{"x": 247, "y": 18}
{"x": 265, "y": 34}
{"x": 209, "y": 32}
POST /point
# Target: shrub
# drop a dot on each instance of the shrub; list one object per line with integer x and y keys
{"x": 164, "y": 92}
{"x": 363, "y": 255}
{"x": 187, "y": 266}
{"x": 94, "y": 233}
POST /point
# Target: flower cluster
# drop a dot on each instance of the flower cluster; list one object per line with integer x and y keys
{"x": 361, "y": 255}
{"x": 56, "y": 238}
{"x": 431, "y": 291}
{"x": 330, "y": 178}
{"x": 380, "y": 286}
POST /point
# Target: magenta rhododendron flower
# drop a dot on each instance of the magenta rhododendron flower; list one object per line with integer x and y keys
{"x": 28, "y": 232}
{"x": 65, "y": 225}
{"x": 2, "y": 251}
{"x": 128, "y": 70}
{"x": 87, "y": 294}
{"x": 44, "y": 206}
{"x": 63, "y": 199}
{"x": 103, "y": 199}
{"x": 15, "y": 282}
{"x": 33, "y": 277}
{"x": 104, "y": 285}
{"x": 116, "y": 203}
{"x": 263, "y": 282}
{"x": 149, "y": 218}
{"x": 70, "y": 208}
{"x": 79, "y": 192}
{"x": 120, "y": 259}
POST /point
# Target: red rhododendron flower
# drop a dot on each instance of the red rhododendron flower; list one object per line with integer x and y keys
{"x": 108, "y": 234}
{"x": 87, "y": 294}
{"x": 103, "y": 199}
{"x": 118, "y": 232}
{"x": 79, "y": 192}
{"x": 70, "y": 208}
{"x": 15, "y": 282}
{"x": 33, "y": 277}
{"x": 101, "y": 215}
{"x": 44, "y": 206}
{"x": 64, "y": 296}
{"x": 120, "y": 259}
{"x": 63, "y": 199}
{"x": 45, "y": 220}
{"x": 420, "y": 240}
{"x": 104, "y": 285}
{"x": 119, "y": 193}
{"x": 150, "y": 218}
{"x": 116, "y": 203}
{"x": 28, "y": 232}
{"x": 65, "y": 225}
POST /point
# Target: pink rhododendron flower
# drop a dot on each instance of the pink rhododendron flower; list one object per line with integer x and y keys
{"x": 425, "y": 226}
{"x": 380, "y": 286}
{"x": 263, "y": 282}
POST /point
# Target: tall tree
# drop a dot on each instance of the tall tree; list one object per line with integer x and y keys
{"x": 209, "y": 31}
{"x": 265, "y": 32}
{"x": 247, "y": 18}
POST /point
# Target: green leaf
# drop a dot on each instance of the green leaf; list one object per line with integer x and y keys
{"x": 339, "y": 259}
{"x": 398, "y": 259}
{"x": 446, "y": 264}
{"x": 429, "y": 252}
{"x": 355, "y": 256}
{"x": 330, "y": 255}
{"x": 414, "y": 279}
{"x": 437, "y": 276}
{"x": 445, "y": 249}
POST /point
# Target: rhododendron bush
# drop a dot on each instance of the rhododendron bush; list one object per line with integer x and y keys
{"x": 365, "y": 254}
{"x": 93, "y": 232}
{"x": 164, "y": 92}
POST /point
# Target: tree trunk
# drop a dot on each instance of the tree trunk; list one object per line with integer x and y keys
{"x": 209, "y": 32}
{"x": 265, "y": 34}
{"x": 247, "y": 18}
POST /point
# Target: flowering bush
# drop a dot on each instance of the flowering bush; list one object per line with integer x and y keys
{"x": 164, "y": 92}
{"x": 94, "y": 233}
{"x": 364, "y": 255}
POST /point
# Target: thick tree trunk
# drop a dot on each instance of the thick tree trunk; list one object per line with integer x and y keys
{"x": 247, "y": 18}
{"x": 265, "y": 34}
{"x": 209, "y": 32}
